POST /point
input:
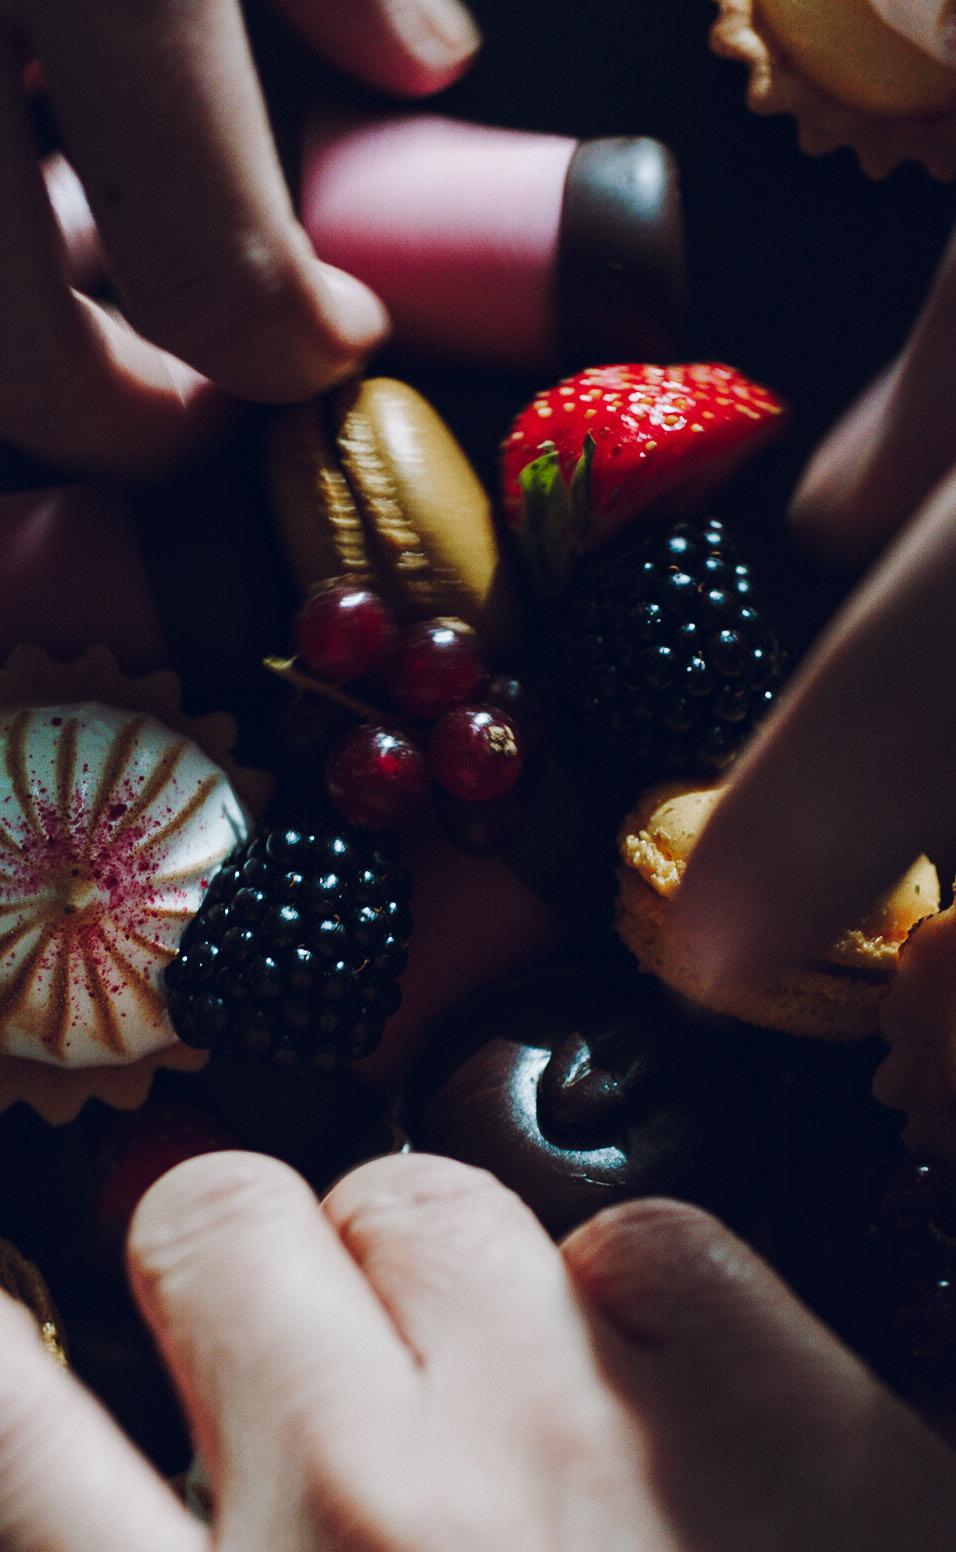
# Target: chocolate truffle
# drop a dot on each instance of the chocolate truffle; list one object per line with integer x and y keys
{"x": 581, "y": 1087}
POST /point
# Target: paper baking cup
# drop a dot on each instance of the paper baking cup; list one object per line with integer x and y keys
{"x": 777, "y": 85}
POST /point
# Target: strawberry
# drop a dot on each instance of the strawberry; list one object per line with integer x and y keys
{"x": 585, "y": 458}
{"x": 149, "y": 1143}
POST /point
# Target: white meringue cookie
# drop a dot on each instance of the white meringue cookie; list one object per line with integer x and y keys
{"x": 111, "y": 826}
{"x": 930, "y": 24}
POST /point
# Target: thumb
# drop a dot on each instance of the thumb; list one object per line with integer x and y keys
{"x": 761, "y": 1429}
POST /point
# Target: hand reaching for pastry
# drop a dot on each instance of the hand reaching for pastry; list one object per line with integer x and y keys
{"x": 854, "y": 774}
{"x": 162, "y": 112}
{"x": 415, "y": 1366}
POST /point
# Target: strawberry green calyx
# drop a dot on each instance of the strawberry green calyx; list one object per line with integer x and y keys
{"x": 556, "y": 516}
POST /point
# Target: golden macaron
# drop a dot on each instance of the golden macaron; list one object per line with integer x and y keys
{"x": 370, "y": 486}
{"x": 837, "y": 998}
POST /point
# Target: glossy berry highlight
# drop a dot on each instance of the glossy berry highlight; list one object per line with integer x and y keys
{"x": 296, "y": 952}
{"x": 436, "y": 666}
{"x": 665, "y": 661}
{"x": 344, "y": 633}
{"x": 476, "y": 753}
{"x": 377, "y": 777}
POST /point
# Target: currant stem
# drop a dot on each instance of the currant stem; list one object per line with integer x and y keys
{"x": 286, "y": 668}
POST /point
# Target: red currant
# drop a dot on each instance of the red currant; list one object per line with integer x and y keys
{"x": 377, "y": 777}
{"x": 343, "y": 633}
{"x": 475, "y": 752}
{"x": 437, "y": 665}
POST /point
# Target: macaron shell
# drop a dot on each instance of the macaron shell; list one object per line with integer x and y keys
{"x": 659, "y": 835}
{"x": 878, "y": 115}
{"x": 426, "y": 513}
{"x": 836, "y": 998}
{"x": 315, "y": 512}
{"x": 823, "y": 1003}
{"x": 845, "y": 48}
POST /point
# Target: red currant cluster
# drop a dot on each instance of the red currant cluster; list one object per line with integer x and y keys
{"x": 451, "y": 723}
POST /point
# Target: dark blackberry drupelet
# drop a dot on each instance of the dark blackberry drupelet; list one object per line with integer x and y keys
{"x": 297, "y": 950}
{"x": 666, "y": 662}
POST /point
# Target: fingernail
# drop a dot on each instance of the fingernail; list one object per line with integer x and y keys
{"x": 359, "y": 318}
{"x": 438, "y": 32}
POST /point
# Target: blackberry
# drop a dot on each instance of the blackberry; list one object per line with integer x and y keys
{"x": 666, "y": 662}
{"x": 296, "y": 952}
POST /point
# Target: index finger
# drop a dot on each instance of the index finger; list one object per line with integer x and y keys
{"x": 164, "y": 120}
{"x": 851, "y": 778}
{"x": 281, "y": 1349}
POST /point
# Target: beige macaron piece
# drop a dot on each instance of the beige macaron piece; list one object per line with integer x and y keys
{"x": 848, "y": 77}
{"x": 370, "y": 485}
{"x": 837, "y": 998}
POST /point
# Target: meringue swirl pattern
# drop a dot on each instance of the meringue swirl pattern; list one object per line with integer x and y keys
{"x": 111, "y": 827}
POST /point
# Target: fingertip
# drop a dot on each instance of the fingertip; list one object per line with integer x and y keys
{"x": 99, "y": 399}
{"x": 819, "y": 514}
{"x": 441, "y": 35}
{"x": 268, "y": 322}
{"x": 656, "y": 1268}
{"x": 357, "y": 317}
{"x": 420, "y": 1188}
{"x": 716, "y": 933}
{"x": 417, "y": 1176}
{"x": 206, "y": 1201}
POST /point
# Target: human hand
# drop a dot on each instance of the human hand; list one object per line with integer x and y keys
{"x": 853, "y": 775}
{"x": 415, "y": 1366}
{"x": 161, "y": 110}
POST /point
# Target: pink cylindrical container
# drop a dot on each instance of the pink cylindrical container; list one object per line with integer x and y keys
{"x": 501, "y": 247}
